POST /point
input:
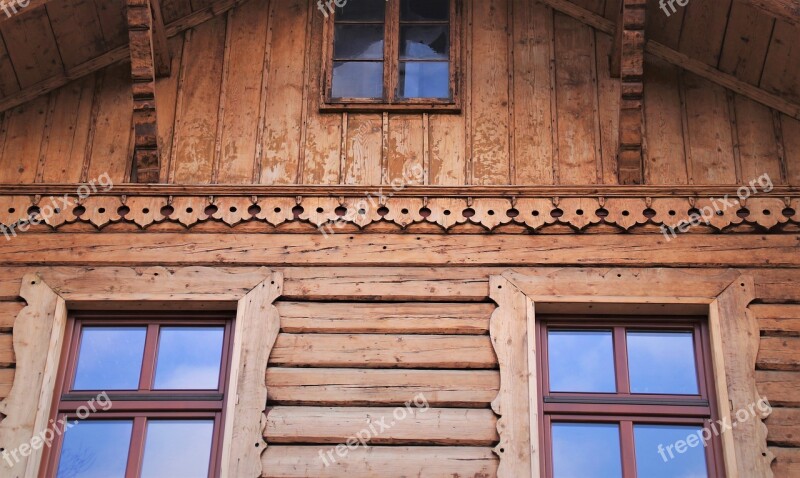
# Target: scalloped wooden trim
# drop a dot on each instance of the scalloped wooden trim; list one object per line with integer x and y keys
{"x": 489, "y": 212}
{"x": 39, "y": 330}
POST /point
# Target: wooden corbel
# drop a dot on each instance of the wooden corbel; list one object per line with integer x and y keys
{"x": 627, "y": 62}
{"x": 149, "y": 55}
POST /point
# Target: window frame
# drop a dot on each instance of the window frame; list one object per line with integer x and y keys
{"x": 145, "y": 403}
{"x": 624, "y": 408}
{"x": 391, "y": 67}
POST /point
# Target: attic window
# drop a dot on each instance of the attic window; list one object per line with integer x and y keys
{"x": 392, "y": 55}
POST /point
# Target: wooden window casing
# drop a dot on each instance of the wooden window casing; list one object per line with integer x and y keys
{"x": 391, "y": 100}
{"x": 625, "y": 408}
{"x": 145, "y": 403}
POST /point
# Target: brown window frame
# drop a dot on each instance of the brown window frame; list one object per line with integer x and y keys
{"x": 391, "y": 65}
{"x": 624, "y": 408}
{"x": 144, "y": 403}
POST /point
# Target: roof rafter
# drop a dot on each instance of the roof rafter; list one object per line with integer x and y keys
{"x": 682, "y": 60}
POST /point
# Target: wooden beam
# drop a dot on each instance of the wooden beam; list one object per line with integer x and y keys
{"x": 163, "y": 61}
{"x": 113, "y": 56}
{"x": 630, "y": 47}
{"x": 669, "y": 55}
{"x": 786, "y": 10}
{"x": 146, "y": 164}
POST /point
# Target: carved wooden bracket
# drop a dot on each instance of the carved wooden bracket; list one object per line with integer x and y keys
{"x": 628, "y": 62}
{"x": 144, "y": 38}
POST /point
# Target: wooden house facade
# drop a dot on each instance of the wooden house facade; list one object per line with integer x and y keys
{"x": 360, "y": 238}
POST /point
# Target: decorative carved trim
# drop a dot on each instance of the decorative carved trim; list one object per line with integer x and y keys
{"x": 39, "y": 329}
{"x": 516, "y": 403}
{"x": 328, "y": 213}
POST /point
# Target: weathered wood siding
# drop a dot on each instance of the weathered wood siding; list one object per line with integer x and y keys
{"x": 241, "y": 107}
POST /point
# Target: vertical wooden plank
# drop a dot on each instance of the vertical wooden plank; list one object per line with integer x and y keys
{"x": 704, "y": 30}
{"x": 284, "y": 105}
{"x": 24, "y": 128}
{"x": 666, "y": 158}
{"x": 608, "y": 94}
{"x": 791, "y": 144}
{"x": 782, "y": 65}
{"x": 113, "y": 22}
{"x": 243, "y": 92}
{"x": 65, "y": 154}
{"x": 746, "y": 42}
{"x": 532, "y": 127}
{"x": 447, "y": 149}
{"x": 166, "y": 104}
{"x": 364, "y": 145}
{"x": 757, "y": 145}
{"x": 489, "y": 96}
{"x": 709, "y": 128}
{"x": 77, "y": 30}
{"x": 8, "y": 78}
{"x": 112, "y": 129}
{"x": 175, "y": 9}
{"x": 32, "y": 47}
{"x": 405, "y": 156}
{"x": 322, "y": 148}
{"x": 576, "y": 101}
{"x": 195, "y": 135}
{"x": 663, "y": 28}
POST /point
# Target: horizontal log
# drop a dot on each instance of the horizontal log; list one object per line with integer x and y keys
{"x": 410, "y": 425}
{"x": 779, "y": 353}
{"x": 6, "y": 350}
{"x": 354, "y": 387}
{"x": 281, "y": 461}
{"x": 389, "y": 318}
{"x": 787, "y": 462}
{"x": 6, "y": 380}
{"x": 783, "y": 427}
{"x": 778, "y": 319}
{"x": 726, "y": 250}
{"x": 8, "y": 313}
{"x": 383, "y": 351}
{"x": 780, "y": 388}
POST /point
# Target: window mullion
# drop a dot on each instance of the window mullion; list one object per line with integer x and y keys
{"x": 149, "y": 358}
{"x": 627, "y": 447}
{"x": 390, "y": 57}
{"x": 136, "y": 451}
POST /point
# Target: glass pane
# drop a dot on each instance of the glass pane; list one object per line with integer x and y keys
{"x": 581, "y": 361}
{"x": 415, "y": 10}
{"x": 189, "y": 358}
{"x": 667, "y": 451}
{"x": 360, "y": 10}
{"x": 363, "y": 79}
{"x": 586, "y": 450}
{"x": 177, "y": 448}
{"x": 110, "y": 358}
{"x": 424, "y": 42}
{"x": 662, "y": 362}
{"x": 95, "y": 449}
{"x": 358, "y": 42}
{"x": 424, "y": 79}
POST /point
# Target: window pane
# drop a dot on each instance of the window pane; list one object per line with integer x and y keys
{"x": 586, "y": 450}
{"x": 110, "y": 358}
{"x": 429, "y": 42}
{"x": 189, "y": 358}
{"x": 358, "y": 42}
{"x": 667, "y": 451}
{"x": 177, "y": 448}
{"x": 95, "y": 449}
{"x": 581, "y": 361}
{"x": 361, "y": 10}
{"x": 415, "y": 10}
{"x": 662, "y": 362}
{"x": 424, "y": 79}
{"x": 357, "y": 79}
